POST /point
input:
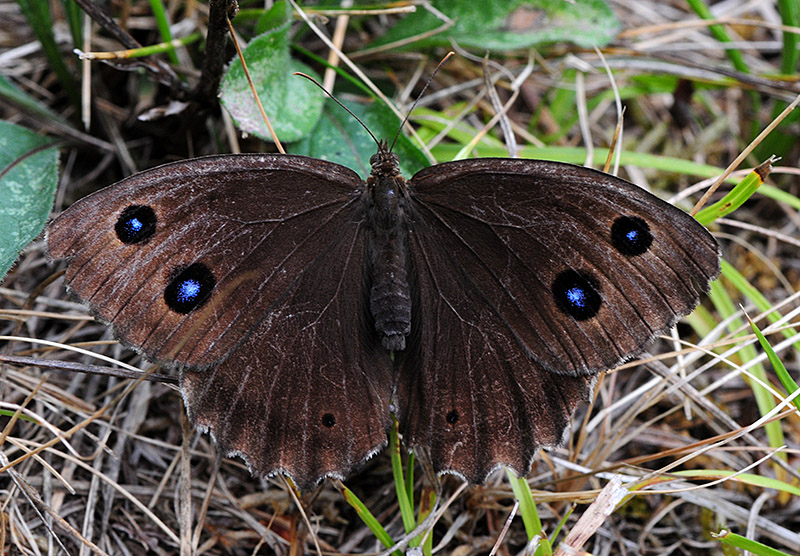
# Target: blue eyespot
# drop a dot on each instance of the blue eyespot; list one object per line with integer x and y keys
{"x": 189, "y": 288}
{"x": 631, "y": 236}
{"x": 136, "y": 224}
{"x": 576, "y": 297}
{"x": 577, "y": 294}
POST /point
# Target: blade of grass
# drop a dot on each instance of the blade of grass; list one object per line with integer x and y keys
{"x": 727, "y": 308}
{"x": 162, "y": 22}
{"x": 38, "y": 15}
{"x": 368, "y": 519}
{"x": 736, "y": 197}
{"x": 783, "y": 375}
{"x": 754, "y": 547}
{"x": 719, "y": 33}
{"x": 530, "y": 516}
{"x": 404, "y": 501}
{"x": 73, "y": 14}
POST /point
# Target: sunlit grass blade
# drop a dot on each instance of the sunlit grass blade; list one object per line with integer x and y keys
{"x": 719, "y": 33}
{"x": 737, "y": 196}
{"x": 726, "y": 309}
{"x": 530, "y": 516}
{"x": 783, "y": 375}
{"x": 162, "y": 22}
{"x": 368, "y": 519}
{"x": 404, "y": 500}
{"x": 754, "y": 547}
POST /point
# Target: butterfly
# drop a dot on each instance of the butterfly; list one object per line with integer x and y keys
{"x": 302, "y": 306}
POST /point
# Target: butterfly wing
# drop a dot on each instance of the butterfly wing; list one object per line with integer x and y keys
{"x": 246, "y": 272}
{"x": 532, "y": 277}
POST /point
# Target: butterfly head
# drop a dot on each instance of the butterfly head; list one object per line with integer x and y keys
{"x": 384, "y": 162}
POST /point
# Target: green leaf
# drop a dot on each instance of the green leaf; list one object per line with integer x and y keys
{"x": 340, "y": 138}
{"x": 293, "y": 104}
{"x": 509, "y": 24}
{"x": 28, "y": 179}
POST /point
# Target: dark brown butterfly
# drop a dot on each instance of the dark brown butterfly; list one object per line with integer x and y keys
{"x": 302, "y": 305}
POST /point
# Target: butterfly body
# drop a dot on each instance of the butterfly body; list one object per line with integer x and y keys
{"x": 387, "y": 234}
{"x": 301, "y": 304}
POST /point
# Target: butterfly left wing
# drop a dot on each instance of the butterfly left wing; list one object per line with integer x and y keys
{"x": 276, "y": 359}
{"x": 531, "y": 278}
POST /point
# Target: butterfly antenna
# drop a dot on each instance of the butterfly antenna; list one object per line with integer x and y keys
{"x": 337, "y": 101}
{"x": 419, "y": 96}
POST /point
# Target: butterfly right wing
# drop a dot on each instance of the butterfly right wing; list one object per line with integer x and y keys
{"x": 530, "y": 278}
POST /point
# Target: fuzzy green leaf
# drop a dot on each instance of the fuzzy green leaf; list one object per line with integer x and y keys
{"x": 340, "y": 138}
{"x": 509, "y": 24}
{"x": 293, "y": 104}
{"x": 28, "y": 179}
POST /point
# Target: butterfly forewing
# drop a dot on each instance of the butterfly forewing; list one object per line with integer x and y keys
{"x": 246, "y": 272}
{"x": 238, "y": 227}
{"x": 553, "y": 249}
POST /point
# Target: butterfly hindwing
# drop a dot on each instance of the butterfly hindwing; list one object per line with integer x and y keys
{"x": 307, "y": 393}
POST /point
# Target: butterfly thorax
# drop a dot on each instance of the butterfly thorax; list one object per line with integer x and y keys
{"x": 386, "y": 205}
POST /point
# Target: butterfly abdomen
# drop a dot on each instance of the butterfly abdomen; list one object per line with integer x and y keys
{"x": 389, "y": 297}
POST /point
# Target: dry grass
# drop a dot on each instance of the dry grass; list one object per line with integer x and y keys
{"x": 124, "y": 474}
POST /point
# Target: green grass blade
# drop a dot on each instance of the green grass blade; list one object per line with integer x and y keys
{"x": 783, "y": 375}
{"x": 369, "y": 519}
{"x": 719, "y": 33}
{"x": 162, "y": 22}
{"x": 726, "y": 308}
{"x": 736, "y": 197}
{"x": 751, "y": 546}
{"x": 404, "y": 501}
{"x": 74, "y": 14}
{"x": 528, "y": 512}
{"x": 37, "y": 13}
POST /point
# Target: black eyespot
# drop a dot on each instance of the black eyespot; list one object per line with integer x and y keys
{"x": 136, "y": 224}
{"x": 328, "y": 420}
{"x": 452, "y": 417}
{"x": 190, "y": 288}
{"x": 577, "y": 294}
{"x": 631, "y": 235}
